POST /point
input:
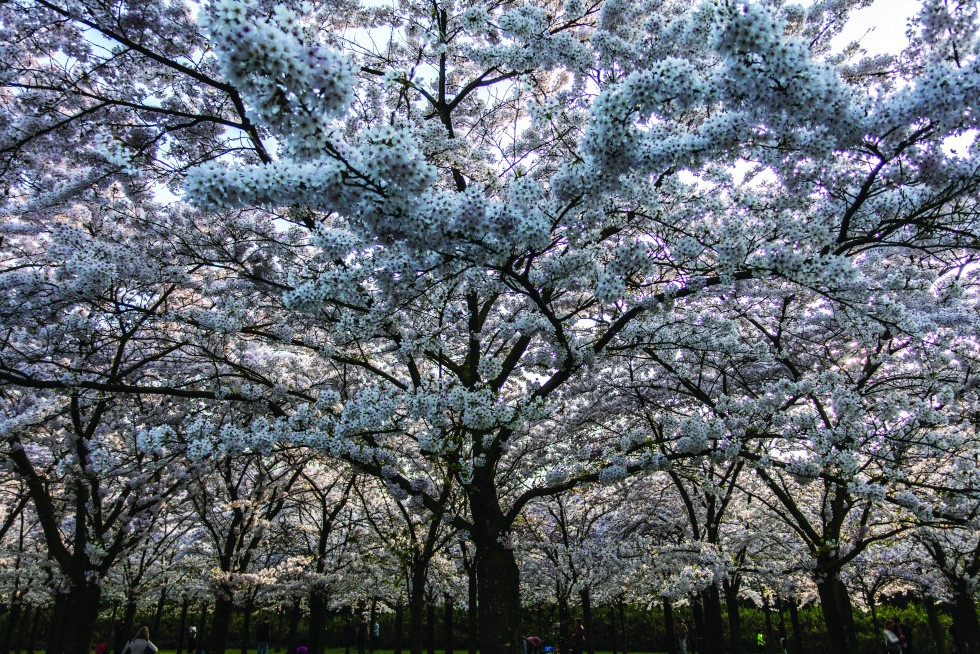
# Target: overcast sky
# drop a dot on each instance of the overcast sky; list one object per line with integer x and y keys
{"x": 887, "y": 19}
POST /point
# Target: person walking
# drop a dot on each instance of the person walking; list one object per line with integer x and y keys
{"x": 262, "y": 637}
{"x": 578, "y": 637}
{"x": 760, "y": 642}
{"x": 141, "y": 644}
{"x": 892, "y": 642}
{"x": 361, "y": 635}
{"x": 904, "y": 636}
{"x": 680, "y": 631}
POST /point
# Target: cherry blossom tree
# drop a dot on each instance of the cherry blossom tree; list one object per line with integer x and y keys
{"x": 441, "y": 236}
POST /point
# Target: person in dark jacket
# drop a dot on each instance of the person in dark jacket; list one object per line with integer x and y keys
{"x": 362, "y": 634}
{"x": 262, "y": 637}
{"x": 904, "y": 635}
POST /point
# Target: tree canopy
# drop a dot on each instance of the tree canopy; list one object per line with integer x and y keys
{"x": 687, "y": 272}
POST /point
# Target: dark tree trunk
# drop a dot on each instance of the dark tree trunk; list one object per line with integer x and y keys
{"x": 293, "y": 627}
{"x": 430, "y": 627}
{"x": 220, "y": 622}
{"x": 318, "y": 609}
{"x": 9, "y": 632}
{"x": 448, "y": 624}
{"x": 612, "y": 629}
{"x": 159, "y": 612}
{"x": 182, "y": 629}
{"x": 56, "y": 624}
{"x": 670, "y": 636}
{"x": 416, "y": 607}
{"x": 782, "y": 625}
{"x": 247, "y": 611}
{"x": 870, "y": 599}
{"x": 734, "y": 617}
{"x": 697, "y": 635}
{"x": 767, "y": 619}
{"x": 20, "y": 641}
{"x": 838, "y": 615}
{"x": 564, "y": 620}
{"x": 622, "y": 624}
{"x": 79, "y": 616}
{"x": 965, "y": 615}
{"x": 587, "y": 619}
{"x": 111, "y": 633}
{"x": 202, "y": 632}
{"x": 125, "y": 630}
{"x": 35, "y": 629}
{"x": 938, "y": 635}
{"x": 794, "y": 619}
{"x": 399, "y": 619}
{"x": 713, "y": 635}
{"x": 498, "y": 583}
{"x": 472, "y": 617}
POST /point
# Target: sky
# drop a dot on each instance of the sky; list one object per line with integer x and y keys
{"x": 887, "y": 21}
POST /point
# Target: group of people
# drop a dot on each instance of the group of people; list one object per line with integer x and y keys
{"x": 536, "y": 645}
{"x": 898, "y": 637}
{"x": 685, "y": 636}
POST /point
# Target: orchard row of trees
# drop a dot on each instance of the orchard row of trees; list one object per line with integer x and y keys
{"x": 669, "y": 298}
{"x": 289, "y": 534}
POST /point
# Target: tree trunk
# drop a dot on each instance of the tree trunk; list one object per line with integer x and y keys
{"x": 20, "y": 641}
{"x": 56, "y": 624}
{"x": 430, "y": 627}
{"x": 564, "y": 620}
{"x": 938, "y": 635}
{"x": 782, "y": 625}
{"x": 612, "y": 629}
{"x": 794, "y": 619}
{"x": 13, "y": 619}
{"x": 697, "y": 634}
{"x": 80, "y": 613}
{"x": 159, "y": 612}
{"x": 220, "y": 622}
{"x": 247, "y": 610}
{"x": 622, "y": 624}
{"x": 293, "y": 627}
{"x": 587, "y": 619}
{"x": 965, "y": 616}
{"x": 472, "y": 617}
{"x": 318, "y": 609}
{"x": 202, "y": 632}
{"x": 111, "y": 633}
{"x": 767, "y": 619}
{"x": 125, "y": 631}
{"x": 870, "y": 599}
{"x": 838, "y": 615}
{"x": 670, "y": 636}
{"x": 35, "y": 629}
{"x": 448, "y": 624}
{"x": 734, "y": 617}
{"x": 399, "y": 619}
{"x": 713, "y": 636}
{"x": 182, "y": 629}
{"x": 416, "y": 607}
{"x": 498, "y": 596}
